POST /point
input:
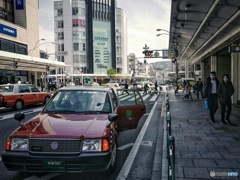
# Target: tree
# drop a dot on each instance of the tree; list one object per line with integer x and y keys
{"x": 111, "y": 73}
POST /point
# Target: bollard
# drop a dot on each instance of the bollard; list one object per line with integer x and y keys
{"x": 171, "y": 158}
{"x": 168, "y": 119}
{"x": 167, "y": 106}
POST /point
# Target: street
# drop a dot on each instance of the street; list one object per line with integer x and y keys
{"x": 126, "y": 140}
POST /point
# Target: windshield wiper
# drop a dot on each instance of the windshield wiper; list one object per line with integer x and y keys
{"x": 62, "y": 111}
{"x": 93, "y": 112}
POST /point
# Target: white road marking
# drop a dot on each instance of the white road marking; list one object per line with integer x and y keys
{"x": 125, "y": 146}
{"x": 147, "y": 143}
{"x": 131, "y": 156}
{"x": 145, "y": 97}
{"x": 46, "y": 177}
{"x": 154, "y": 97}
{"x": 126, "y": 97}
{"x": 8, "y": 116}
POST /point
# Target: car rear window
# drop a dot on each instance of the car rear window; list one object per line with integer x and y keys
{"x": 6, "y": 88}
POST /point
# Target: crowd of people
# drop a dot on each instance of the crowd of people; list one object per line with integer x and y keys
{"x": 213, "y": 91}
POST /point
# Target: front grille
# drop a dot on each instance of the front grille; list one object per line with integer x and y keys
{"x": 62, "y": 146}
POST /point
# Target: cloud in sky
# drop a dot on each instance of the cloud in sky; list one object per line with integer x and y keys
{"x": 143, "y": 18}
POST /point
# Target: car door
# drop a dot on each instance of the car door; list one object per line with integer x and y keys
{"x": 25, "y": 94}
{"x": 130, "y": 109}
{"x": 38, "y": 97}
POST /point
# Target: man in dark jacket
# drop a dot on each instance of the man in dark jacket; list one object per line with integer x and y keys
{"x": 225, "y": 91}
{"x": 199, "y": 86}
{"x": 210, "y": 92}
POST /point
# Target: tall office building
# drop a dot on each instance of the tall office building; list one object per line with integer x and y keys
{"x": 121, "y": 42}
{"x": 85, "y": 33}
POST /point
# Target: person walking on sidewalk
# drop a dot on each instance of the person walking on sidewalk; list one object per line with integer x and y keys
{"x": 187, "y": 91}
{"x": 199, "y": 86}
{"x": 225, "y": 91}
{"x": 210, "y": 92}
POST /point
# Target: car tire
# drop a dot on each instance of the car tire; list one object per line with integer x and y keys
{"x": 18, "y": 105}
{"x": 46, "y": 100}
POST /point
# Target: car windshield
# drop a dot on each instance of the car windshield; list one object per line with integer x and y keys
{"x": 6, "y": 88}
{"x": 79, "y": 101}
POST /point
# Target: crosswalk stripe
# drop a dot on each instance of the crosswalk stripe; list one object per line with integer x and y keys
{"x": 154, "y": 97}
{"x": 145, "y": 97}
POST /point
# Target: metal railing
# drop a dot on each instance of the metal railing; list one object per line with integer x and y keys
{"x": 170, "y": 141}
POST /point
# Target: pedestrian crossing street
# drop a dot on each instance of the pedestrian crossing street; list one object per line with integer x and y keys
{"x": 131, "y": 97}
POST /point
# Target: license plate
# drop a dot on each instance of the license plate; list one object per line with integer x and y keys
{"x": 54, "y": 166}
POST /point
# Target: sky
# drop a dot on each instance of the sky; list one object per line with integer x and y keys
{"x": 143, "y": 18}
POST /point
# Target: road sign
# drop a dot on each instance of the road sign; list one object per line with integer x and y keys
{"x": 62, "y": 53}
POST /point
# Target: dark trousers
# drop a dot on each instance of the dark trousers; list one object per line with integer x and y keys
{"x": 224, "y": 103}
{"x": 212, "y": 104}
{"x": 199, "y": 91}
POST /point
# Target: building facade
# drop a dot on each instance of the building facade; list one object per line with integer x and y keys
{"x": 121, "y": 42}
{"x": 85, "y": 36}
{"x": 19, "y": 34}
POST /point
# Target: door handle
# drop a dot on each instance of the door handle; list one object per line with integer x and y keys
{"x": 142, "y": 109}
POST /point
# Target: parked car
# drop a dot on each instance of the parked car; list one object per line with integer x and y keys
{"x": 19, "y": 95}
{"x": 75, "y": 132}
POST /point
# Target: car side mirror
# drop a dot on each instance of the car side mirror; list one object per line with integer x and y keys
{"x": 112, "y": 117}
{"x": 19, "y": 117}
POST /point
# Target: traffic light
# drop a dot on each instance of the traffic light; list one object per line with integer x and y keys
{"x": 148, "y": 53}
{"x": 47, "y": 68}
{"x": 15, "y": 65}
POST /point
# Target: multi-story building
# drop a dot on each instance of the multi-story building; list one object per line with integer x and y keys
{"x": 19, "y": 42}
{"x": 121, "y": 42}
{"x": 85, "y": 36}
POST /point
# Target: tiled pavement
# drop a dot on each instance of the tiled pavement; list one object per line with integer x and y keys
{"x": 200, "y": 145}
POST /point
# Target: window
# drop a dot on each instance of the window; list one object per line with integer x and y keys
{"x": 60, "y": 12}
{"x": 60, "y": 47}
{"x": 74, "y": 10}
{"x": 84, "y": 47}
{"x": 60, "y": 24}
{"x": 60, "y": 35}
{"x": 75, "y": 34}
{"x": 75, "y": 46}
{"x": 24, "y": 89}
{"x": 33, "y": 89}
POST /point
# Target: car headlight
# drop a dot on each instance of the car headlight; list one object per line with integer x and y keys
{"x": 20, "y": 144}
{"x": 92, "y": 145}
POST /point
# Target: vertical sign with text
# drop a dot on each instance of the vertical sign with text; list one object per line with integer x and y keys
{"x": 19, "y": 4}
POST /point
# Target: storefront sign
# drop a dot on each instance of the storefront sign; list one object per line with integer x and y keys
{"x": 8, "y": 30}
{"x": 19, "y": 4}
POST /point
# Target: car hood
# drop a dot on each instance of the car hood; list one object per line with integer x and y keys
{"x": 64, "y": 126}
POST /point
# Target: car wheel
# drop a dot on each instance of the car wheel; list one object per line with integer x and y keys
{"x": 18, "y": 105}
{"x": 113, "y": 158}
{"x": 46, "y": 99}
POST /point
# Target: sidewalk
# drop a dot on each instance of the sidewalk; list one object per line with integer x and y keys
{"x": 201, "y": 146}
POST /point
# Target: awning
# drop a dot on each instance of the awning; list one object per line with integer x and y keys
{"x": 27, "y": 63}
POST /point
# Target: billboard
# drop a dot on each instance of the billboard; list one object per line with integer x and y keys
{"x": 102, "y": 50}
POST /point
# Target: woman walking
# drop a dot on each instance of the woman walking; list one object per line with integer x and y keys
{"x": 225, "y": 91}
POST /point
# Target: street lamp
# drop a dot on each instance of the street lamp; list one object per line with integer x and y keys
{"x": 162, "y": 30}
{"x": 36, "y": 45}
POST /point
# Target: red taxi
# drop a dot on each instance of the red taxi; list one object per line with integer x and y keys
{"x": 75, "y": 132}
{"x": 19, "y": 95}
